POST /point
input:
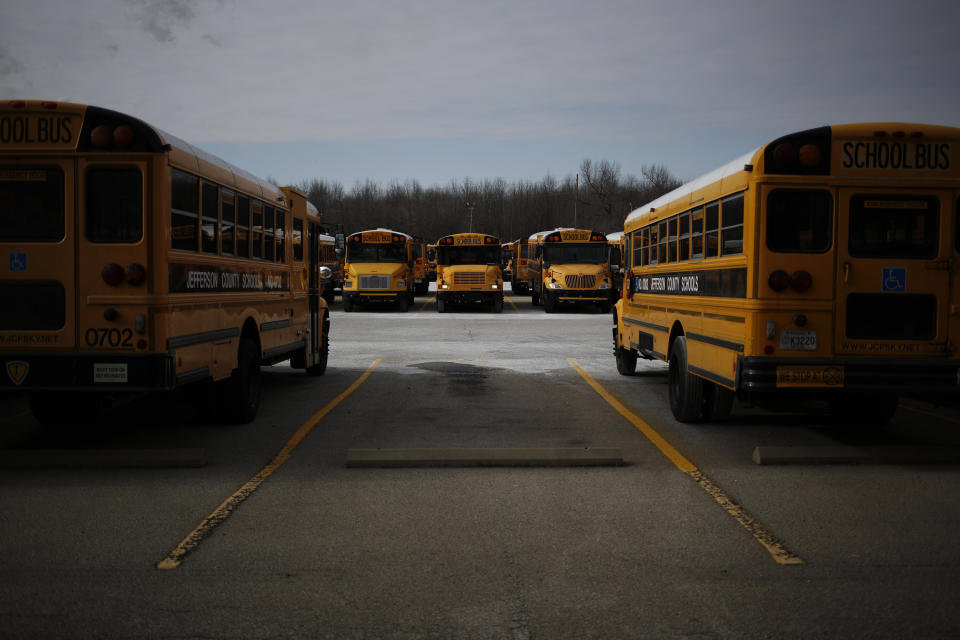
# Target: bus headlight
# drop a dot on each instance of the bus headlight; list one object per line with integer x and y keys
{"x": 554, "y": 285}
{"x": 444, "y": 286}
{"x": 495, "y": 286}
{"x": 348, "y": 284}
{"x": 401, "y": 284}
{"x": 604, "y": 285}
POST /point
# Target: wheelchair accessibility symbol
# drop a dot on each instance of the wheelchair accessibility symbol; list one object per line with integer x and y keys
{"x": 894, "y": 279}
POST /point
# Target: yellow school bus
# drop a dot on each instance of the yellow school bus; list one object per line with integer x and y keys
{"x": 615, "y": 241}
{"x": 818, "y": 266}
{"x": 507, "y": 260}
{"x": 378, "y": 268}
{"x": 421, "y": 285}
{"x": 431, "y": 253}
{"x": 522, "y": 254}
{"x": 137, "y": 262}
{"x": 327, "y": 257}
{"x": 468, "y": 271}
{"x": 569, "y": 266}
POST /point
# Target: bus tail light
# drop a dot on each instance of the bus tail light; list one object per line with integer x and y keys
{"x": 123, "y": 136}
{"x": 801, "y": 281}
{"x": 112, "y": 274}
{"x": 779, "y": 280}
{"x": 135, "y": 274}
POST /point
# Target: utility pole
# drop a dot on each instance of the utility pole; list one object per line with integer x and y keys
{"x": 576, "y": 196}
{"x": 470, "y": 206}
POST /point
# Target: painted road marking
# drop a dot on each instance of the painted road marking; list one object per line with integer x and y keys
{"x": 14, "y": 416}
{"x": 771, "y": 543}
{"x": 929, "y": 413}
{"x": 510, "y": 300}
{"x": 427, "y": 304}
{"x": 221, "y": 513}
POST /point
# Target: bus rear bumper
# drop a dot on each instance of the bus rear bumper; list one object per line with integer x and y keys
{"x": 82, "y": 372}
{"x": 831, "y": 376}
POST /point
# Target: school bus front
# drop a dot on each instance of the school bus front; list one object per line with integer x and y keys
{"x": 571, "y": 267}
{"x": 378, "y": 269}
{"x": 468, "y": 271}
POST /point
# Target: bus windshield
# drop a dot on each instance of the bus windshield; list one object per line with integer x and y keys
{"x": 377, "y": 253}
{"x": 448, "y": 256}
{"x": 575, "y": 253}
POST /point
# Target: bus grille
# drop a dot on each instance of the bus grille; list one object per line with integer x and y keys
{"x": 374, "y": 282}
{"x": 39, "y": 306}
{"x": 468, "y": 277}
{"x": 891, "y": 317}
{"x": 580, "y": 282}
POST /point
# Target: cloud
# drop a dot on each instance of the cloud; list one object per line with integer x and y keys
{"x": 160, "y": 18}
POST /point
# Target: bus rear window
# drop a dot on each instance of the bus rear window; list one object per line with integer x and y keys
{"x": 799, "y": 220}
{"x": 31, "y": 204}
{"x": 114, "y": 204}
{"x": 887, "y": 226}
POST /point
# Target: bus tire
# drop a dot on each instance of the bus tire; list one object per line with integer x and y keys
{"x": 321, "y": 366}
{"x": 241, "y": 399}
{"x": 604, "y": 307}
{"x": 498, "y": 304}
{"x": 549, "y": 303}
{"x": 626, "y": 361}
{"x": 534, "y": 297}
{"x": 441, "y": 305}
{"x": 717, "y": 402}
{"x": 347, "y": 304}
{"x": 403, "y": 302}
{"x": 686, "y": 389}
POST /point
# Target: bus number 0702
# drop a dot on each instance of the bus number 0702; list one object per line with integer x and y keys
{"x": 101, "y": 337}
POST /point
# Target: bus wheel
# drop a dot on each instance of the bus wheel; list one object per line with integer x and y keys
{"x": 534, "y": 297}
{"x": 626, "y": 361}
{"x": 686, "y": 389}
{"x": 549, "y": 303}
{"x": 604, "y": 307}
{"x": 242, "y": 393}
{"x": 321, "y": 366}
{"x": 717, "y": 402}
{"x": 403, "y": 302}
{"x": 857, "y": 410}
{"x": 347, "y": 304}
{"x": 441, "y": 305}
{"x": 498, "y": 304}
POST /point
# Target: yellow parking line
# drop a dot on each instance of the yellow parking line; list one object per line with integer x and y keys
{"x": 221, "y": 513}
{"x": 929, "y": 413}
{"x": 427, "y": 303}
{"x": 510, "y": 300}
{"x": 14, "y": 416}
{"x": 771, "y": 543}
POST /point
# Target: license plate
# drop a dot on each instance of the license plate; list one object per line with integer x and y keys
{"x": 809, "y": 376}
{"x": 111, "y": 372}
{"x": 798, "y": 340}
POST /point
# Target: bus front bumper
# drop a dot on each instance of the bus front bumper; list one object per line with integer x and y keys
{"x": 838, "y": 375}
{"x": 87, "y": 372}
{"x": 579, "y": 295}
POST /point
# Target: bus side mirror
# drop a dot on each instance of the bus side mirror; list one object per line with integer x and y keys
{"x": 325, "y": 273}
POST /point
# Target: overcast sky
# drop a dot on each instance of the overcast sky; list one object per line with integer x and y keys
{"x": 438, "y": 91}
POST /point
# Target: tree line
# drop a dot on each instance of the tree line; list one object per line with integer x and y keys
{"x": 599, "y": 197}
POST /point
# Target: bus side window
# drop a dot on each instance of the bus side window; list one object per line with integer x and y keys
{"x": 731, "y": 235}
{"x": 281, "y": 228}
{"x": 243, "y": 227}
{"x": 114, "y": 204}
{"x": 228, "y": 221}
{"x": 672, "y": 239}
{"x": 257, "y": 227}
{"x": 297, "y": 239}
{"x": 185, "y": 210}
{"x": 662, "y": 235}
{"x": 268, "y": 237}
{"x": 712, "y": 223}
{"x": 696, "y": 233}
{"x": 684, "y": 233}
{"x": 652, "y": 237}
{"x": 209, "y": 229}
